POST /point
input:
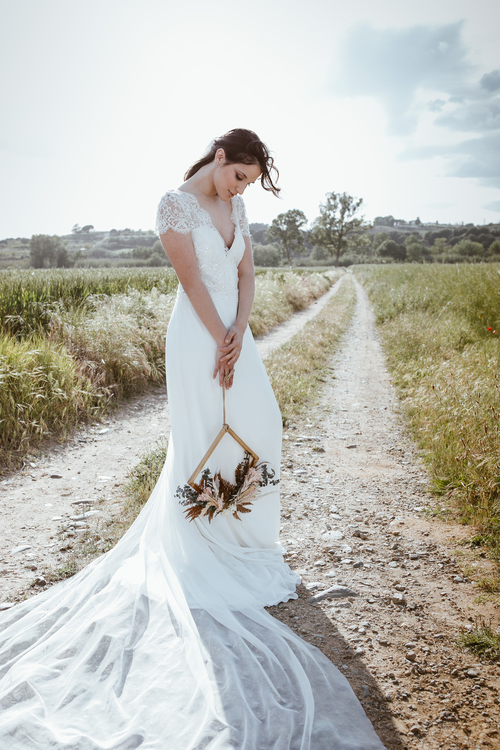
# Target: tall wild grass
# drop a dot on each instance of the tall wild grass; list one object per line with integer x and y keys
{"x": 119, "y": 347}
{"x": 439, "y": 327}
{"x": 28, "y": 298}
{"x": 41, "y": 391}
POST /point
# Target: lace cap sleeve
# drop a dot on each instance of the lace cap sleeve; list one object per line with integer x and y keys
{"x": 241, "y": 214}
{"x": 174, "y": 213}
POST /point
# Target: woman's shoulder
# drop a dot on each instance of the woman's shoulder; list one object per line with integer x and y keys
{"x": 174, "y": 212}
{"x": 240, "y": 212}
{"x": 175, "y": 197}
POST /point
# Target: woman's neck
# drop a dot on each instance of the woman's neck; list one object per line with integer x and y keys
{"x": 202, "y": 183}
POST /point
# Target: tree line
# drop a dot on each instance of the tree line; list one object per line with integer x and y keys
{"x": 338, "y": 236}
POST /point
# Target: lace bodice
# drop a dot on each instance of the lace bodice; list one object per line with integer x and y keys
{"x": 218, "y": 264}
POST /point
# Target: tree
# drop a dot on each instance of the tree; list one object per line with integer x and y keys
{"x": 440, "y": 246}
{"x": 47, "y": 252}
{"x": 258, "y": 232}
{"x": 384, "y": 221}
{"x": 337, "y": 225}
{"x": 286, "y": 231}
{"x": 143, "y": 253}
{"x": 62, "y": 257}
{"x": 416, "y": 251}
{"x": 319, "y": 253}
{"x": 158, "y": 260}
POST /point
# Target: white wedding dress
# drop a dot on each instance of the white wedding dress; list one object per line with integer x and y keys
{"x": 163, "y": 643}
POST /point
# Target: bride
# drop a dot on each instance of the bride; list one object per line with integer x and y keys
{"x": 163, "y": 643}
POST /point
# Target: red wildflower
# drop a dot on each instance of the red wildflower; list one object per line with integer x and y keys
{"x": 489, "y": 329}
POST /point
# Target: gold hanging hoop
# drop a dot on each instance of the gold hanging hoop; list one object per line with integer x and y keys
{"x": 225, "y": 429}
{"x": 214, "y": 495}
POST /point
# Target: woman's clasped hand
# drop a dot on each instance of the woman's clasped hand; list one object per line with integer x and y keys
{"x": 228, "y": 354}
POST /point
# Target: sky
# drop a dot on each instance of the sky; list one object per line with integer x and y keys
{"x": 104, "y": 104}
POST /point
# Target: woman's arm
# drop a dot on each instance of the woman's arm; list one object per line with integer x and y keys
{"x": 231, "y": 348}
{"x": 246, "y": 286}
{"x": 181, "y": 253}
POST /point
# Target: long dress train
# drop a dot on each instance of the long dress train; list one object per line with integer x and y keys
{"x": 163, "y": 643}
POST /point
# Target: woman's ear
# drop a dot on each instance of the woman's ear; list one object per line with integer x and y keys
{"x": 220, "y": 156}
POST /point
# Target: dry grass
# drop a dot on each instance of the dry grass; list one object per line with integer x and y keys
{"x": 143, "y": 477}
{"x": 29, "y": 297}
{"x": 279, "y": 294}
{"x": 296, "y": 368}
{"x": 120, "y": 346}
{"x": 106, "y": 346}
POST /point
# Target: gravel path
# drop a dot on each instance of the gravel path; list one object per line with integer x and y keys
{"x": 382, "y": 595}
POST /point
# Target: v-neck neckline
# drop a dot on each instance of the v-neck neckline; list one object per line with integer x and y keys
{"x": 212, "y": 221}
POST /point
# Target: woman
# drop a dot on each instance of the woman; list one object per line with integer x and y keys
{"x": 164, "y": 642}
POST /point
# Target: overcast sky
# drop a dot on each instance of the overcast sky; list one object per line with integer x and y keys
{"x": 105, "y": 103}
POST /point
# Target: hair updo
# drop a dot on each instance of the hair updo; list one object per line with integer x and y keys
{"x": 242, "y": 147}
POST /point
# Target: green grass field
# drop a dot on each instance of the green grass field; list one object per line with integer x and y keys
{"x": 28, "y": 298}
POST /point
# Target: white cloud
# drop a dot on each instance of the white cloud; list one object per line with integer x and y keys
{"x": 396, "y": 66}
{"x": 493, "y": 206}
{"x": 392, "y": 64}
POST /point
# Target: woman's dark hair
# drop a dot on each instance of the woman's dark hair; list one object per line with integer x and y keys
{"x": 242, "y": 147}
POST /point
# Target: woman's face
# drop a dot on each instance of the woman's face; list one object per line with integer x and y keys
{"x": 232, "y": 179}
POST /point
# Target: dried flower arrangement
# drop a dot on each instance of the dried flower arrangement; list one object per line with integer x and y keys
{"x": 214, "y": 495}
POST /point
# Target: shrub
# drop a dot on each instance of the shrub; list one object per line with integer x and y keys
{"x": 495, "y": 247}
{"x": 468, "y": 248}
{"x": 266, "y": 255}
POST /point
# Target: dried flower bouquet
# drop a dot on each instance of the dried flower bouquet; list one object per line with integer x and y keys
{"x": 214, "y": 495}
